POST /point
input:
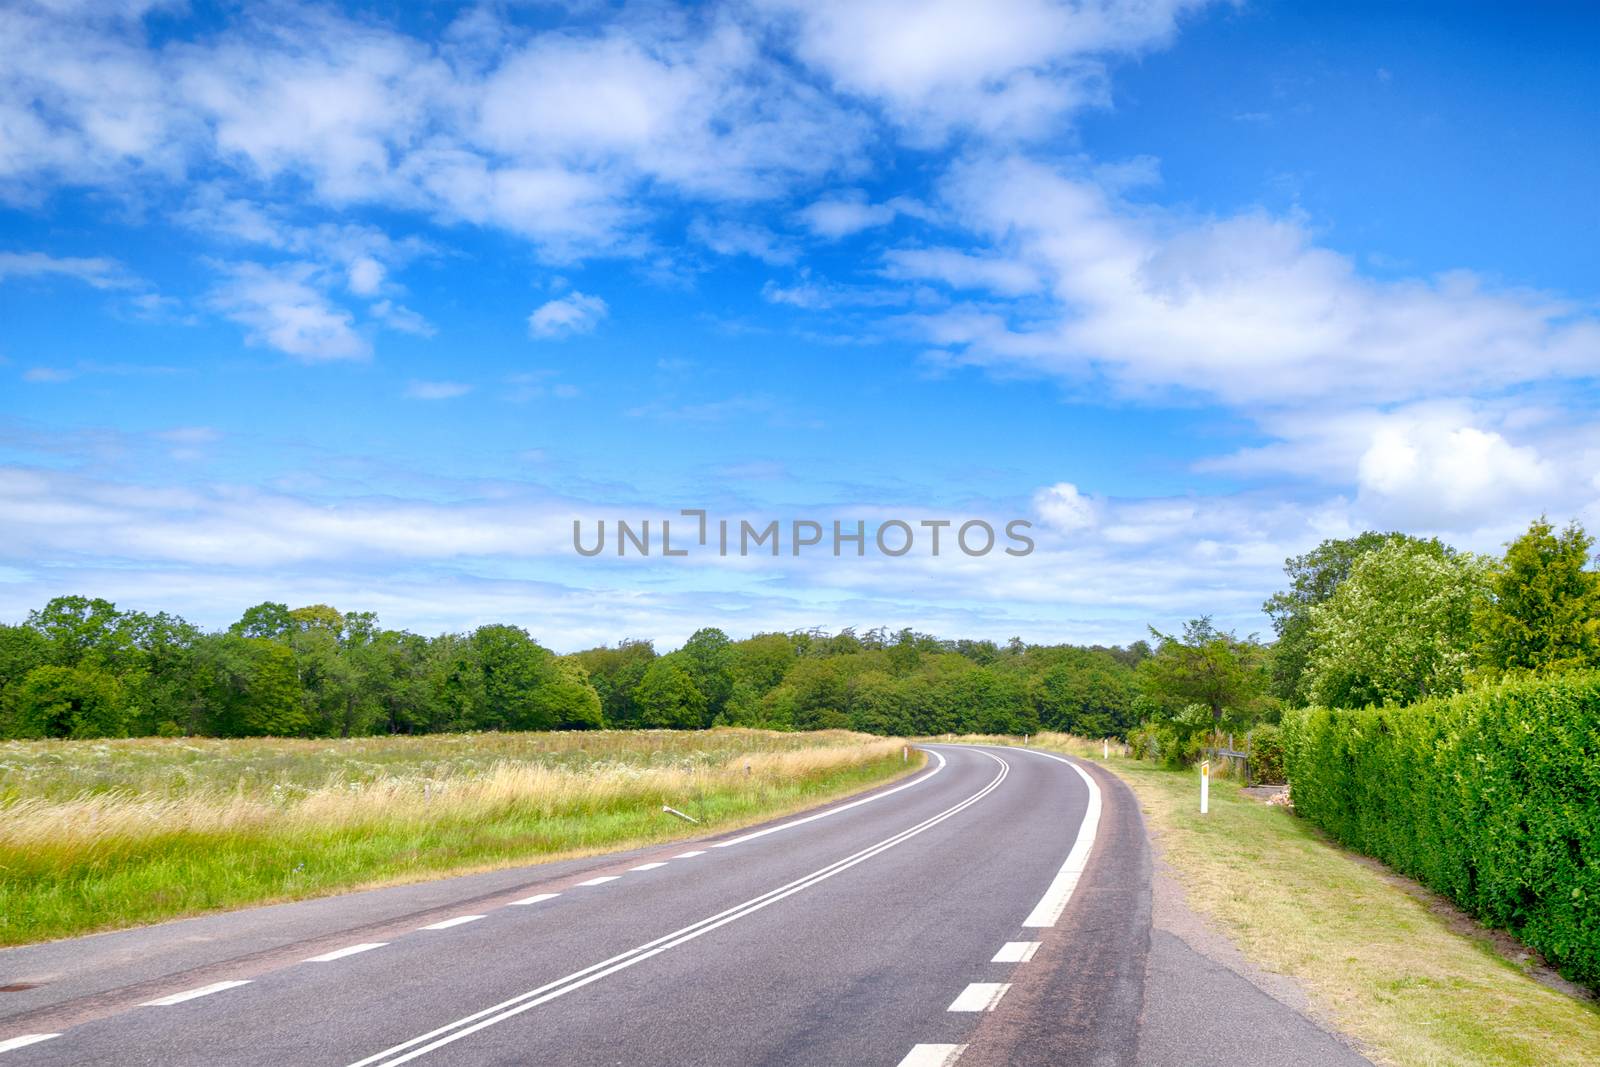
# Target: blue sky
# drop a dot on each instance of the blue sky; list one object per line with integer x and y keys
{"x": 312, "y": 304}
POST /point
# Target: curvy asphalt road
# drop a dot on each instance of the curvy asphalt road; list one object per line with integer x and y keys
{"x": 993, "y": 909}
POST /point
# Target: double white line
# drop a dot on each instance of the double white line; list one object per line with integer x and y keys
{"x": 444, "y": 1035}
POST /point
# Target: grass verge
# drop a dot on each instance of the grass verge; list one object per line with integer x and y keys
{"x": 1375, "y": 957}
{"x": 101, "y": 835}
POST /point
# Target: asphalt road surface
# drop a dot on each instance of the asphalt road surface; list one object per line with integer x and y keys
{"x": 993, "y": 909}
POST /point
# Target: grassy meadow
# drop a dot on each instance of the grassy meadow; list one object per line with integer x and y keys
{"x": 96, "y": 835}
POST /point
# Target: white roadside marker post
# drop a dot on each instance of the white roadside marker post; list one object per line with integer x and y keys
{"x": 679, "y": 814}
{"x": 1205, "y": 787}
{"x": 1107, "y": 742}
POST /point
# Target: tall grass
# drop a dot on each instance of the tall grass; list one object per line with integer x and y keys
{"x": 99, "y": 835}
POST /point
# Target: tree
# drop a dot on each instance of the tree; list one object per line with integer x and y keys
{"x": 1313, "y": 578}
{"x": 22, "y": 648}
{"x": 1205, "y": 666}
{"x": 1087, "y": 693}
{"x": 709, "y": 657}
{"x": 81, "y": 701}
{"x": 615, "y": 674}
{"x": 667, "y": 696}
{"x": 1398, "y": 629}
{"x": 250, "y": 688}
{"x": 565, "y": 697}
{"x": 762, "y": 661}
{"x": 76, "y": 626}
{"x": 513, "y": 666}
{"x": 1543, "y": 609}
{"x": 267, "y": 619}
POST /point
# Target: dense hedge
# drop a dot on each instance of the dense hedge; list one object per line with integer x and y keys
{"x": 1266, "y": 755}
{"x": 1491, "y": 797}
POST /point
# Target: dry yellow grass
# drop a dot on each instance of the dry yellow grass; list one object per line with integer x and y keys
{"x": 146, "y": 842}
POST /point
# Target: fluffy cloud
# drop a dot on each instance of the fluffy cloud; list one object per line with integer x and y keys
{"x": 1004, "y": 67}
{"x": 1244, "y": 309}
{"x": 1432, "y": 476}
{"x": 843, "y": 214}
{"x": 566, "y": 316}
{"x": 1063, "y": 508}
{"x": 281, "y": 307}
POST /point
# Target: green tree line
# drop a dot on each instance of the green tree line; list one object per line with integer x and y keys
{"x": 81, "y": 667}
{"x": 1382, "y": 619}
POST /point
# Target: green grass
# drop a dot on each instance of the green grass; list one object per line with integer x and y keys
{"x": 1375, "y": 957}
{"x": 99, "y": 835}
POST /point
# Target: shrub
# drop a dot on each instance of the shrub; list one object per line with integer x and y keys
{"x": 1266, "y": 755}
{"x": 1491, "y": 797}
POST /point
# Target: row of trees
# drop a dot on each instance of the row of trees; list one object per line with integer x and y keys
{"x": 1393, "y": 619}
{"x": 1379, "y": 618}
{"x": 80, "y": 667}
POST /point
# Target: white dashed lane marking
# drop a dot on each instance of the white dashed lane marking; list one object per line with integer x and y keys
{"x": 602, "y": 880}
{"x": 1016, "y": 952}
{"x": 535, "y": 899}
{"x": 980, "y": 996}
{"x": 932, "y": 1055}
{"x": 648, "y": 866}
{"x": 191, "y": 994}
{"x": 690, "y": 855}
{"x": 448, "y": 923}
{"x": 348, "y": 950}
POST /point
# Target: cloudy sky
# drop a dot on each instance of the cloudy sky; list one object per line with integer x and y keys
{"x": 310, "y": 303}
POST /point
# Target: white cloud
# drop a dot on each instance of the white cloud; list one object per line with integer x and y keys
{"x": 437, "y": 390}
{"x": 401, "y": 318}
{"x": 567, "y": 316}
{"x": 962, "y": 270}
{"x": 280, "y": 307}
{"x": 1244, "y": 309}
{"x": 96, "y": 271}
{"x": 1062, "y": 507}
{"x": 365, "y": 276}
{"x": 1006, "y": 66}
{"x": 1439, "y": 476}
{"x": 843, "y": 214}
{"x": 742, "y": 239}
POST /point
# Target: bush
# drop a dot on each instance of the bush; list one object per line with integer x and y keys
{"x": 1165, "y": 743}
{"x": 1266, "y": 756}
{"x": 1491, "y": 797}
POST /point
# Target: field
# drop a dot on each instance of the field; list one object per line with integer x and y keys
{"x": 1380, "y": 958}
{"x": 102, "y": 834}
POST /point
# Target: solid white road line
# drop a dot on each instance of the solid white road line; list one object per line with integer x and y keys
{"x": 24, "y": 1041}
{"x": 918, "y": 780}
{"x": 602, "y": 880}
{"x": 980, "y": 996}
{"x": 497, "y": 1013}
{"x": 932, "y": 1055}
{"x": 648, "y": 866}
{"x": 448, "y": 923}
{"x": 535, "y": 899}
{"x": 1016, "y": 952}
{"x": 690, "y": 855}
{"x": 1055, "y": 899}
{"x": 191, "y": 994}
{"x": 349, "y": 950}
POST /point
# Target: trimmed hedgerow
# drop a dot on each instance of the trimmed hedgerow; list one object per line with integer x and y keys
{"x": 1491, "y": 797}
{"x": 1266, "y": 755}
